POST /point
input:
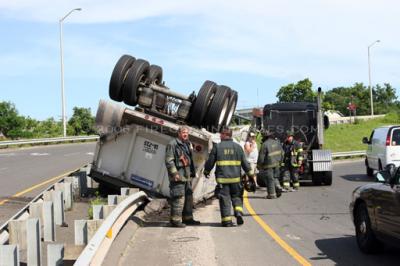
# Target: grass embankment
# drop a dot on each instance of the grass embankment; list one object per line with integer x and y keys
{"x": 348, "y": 137}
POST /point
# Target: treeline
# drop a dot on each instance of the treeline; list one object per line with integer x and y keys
{"x": 15, "y": 126}
{"x": 384, "y": 97}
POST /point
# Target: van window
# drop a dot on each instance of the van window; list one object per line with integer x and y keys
{"x": 396, "y": 137}
{"x": 370, "y": 137}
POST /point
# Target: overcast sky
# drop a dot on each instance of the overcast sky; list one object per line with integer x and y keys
{"x": 248, "y": 45}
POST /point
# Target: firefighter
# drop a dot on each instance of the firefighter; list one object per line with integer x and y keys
{"x": 180, "y": 167}
{"x": 292, "y": 160}
{"x": 229, "y": 158}
{"x": 268, "y": 164}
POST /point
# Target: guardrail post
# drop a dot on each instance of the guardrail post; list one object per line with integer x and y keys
{"x": 9, "y": 255}
{"x": 112, "y": 199}
{"x": 92, "y": 226}
{"x": 55, "y": 254}
{"x": 33, "y": 242}
{"x": 58, "y": 208}
{"x": 76, "y": 188}
{"x": 68, "y": 195}
{"x": 124, "y": 191}
{"x": 49, "y": 225}
{"x": 97, "y": 212}
{"x": 36, "y": 210}
{"x": 17, "y": 231}
{"x": 81, "y": 232}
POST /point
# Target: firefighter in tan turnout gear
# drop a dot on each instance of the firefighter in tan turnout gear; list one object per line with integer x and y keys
{"x": 268, "y": 164}
{"x": 292, "y": 160}
{"x": 229, "y": 158}
{"x": 179, "y": 163}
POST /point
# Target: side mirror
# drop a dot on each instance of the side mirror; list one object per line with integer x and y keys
{"x": 326, "y": 122}
{"x": 365, "y": 140}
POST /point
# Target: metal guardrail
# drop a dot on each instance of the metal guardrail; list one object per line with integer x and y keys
{"x": 348, "y": 154}
{"x": 46, "y": 140}
{"x": 97, "y": 248}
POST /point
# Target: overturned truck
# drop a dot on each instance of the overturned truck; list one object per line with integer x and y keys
{"x": 308, "y": 122}
{"x": 132, "y": 143}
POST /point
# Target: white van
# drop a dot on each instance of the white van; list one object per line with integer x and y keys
{"x": 383, "y": 148}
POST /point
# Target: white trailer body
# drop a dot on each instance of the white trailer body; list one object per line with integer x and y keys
{"x": 131, "y": 151}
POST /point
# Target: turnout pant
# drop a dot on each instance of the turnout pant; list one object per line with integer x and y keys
{"x": 181, "y": 201}
{"x": 270, "y": 176}
{"x": 291, "y": 175}
{"x": 228, "y": 195}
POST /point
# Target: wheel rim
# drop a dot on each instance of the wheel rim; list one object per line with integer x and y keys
{"x": 230, "y": 114}
{"x": 223, "y": 112}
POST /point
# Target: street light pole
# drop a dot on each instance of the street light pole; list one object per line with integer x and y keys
{"x": 369, "y": 76}
{"x": 62, "y": 71}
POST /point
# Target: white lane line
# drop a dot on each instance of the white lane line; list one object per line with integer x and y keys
{"x": 4, "y": 168}
{"x": 7, "y": 154}
{"x": 90, "y": 153}
{"x": 71, "y": 154}
{"x": 39, "y": 154}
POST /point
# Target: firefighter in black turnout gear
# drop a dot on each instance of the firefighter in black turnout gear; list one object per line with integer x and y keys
{"x": 268, "y": 164}
{"x": 229, "y": 158}
{"x": 292, "y": 160}
{"x": 180, "y": 167}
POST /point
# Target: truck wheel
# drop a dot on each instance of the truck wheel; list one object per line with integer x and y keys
{"x": 231, "y": 108}
{"x": 155, "y": 75}
{"x": 366, "y": 239}
{"x": 136, "y": 74}
{"x": 370, "y": 171}
{"x": 202, "y": 102}
{"x": 118, "y": 77}
{"x": 316, "y": 178}
{"x": 327, "y": 179}
{"x": 218, "y": 109}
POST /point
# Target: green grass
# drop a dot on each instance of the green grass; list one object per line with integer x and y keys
{"x": 348, "y": 137}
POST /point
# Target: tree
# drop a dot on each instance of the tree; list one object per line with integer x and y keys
{"x": 82, "y": 122}
{"x": 299, "y": 92}
{"x": 11, "y": 124}
{"x": 384, "y": 98}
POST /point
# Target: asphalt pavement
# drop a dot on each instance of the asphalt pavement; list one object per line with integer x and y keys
{"x": 308, "y": 227}
{"x": 21, "y": 170}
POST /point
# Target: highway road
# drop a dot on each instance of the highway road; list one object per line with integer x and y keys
{"x": 24, "y": 172}
{"x": 308, "y": 227}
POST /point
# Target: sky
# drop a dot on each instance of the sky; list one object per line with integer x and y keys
{"x": 252, "y": 46}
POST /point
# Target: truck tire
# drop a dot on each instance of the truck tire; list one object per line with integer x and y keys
{"x": 316, "y": 178}
{"x": 155, "y": 75}
{"x": 137, "y": 73}
{"x": 370, "y": 171}
{"x": 202, "y": 102}
{"x": 118, "y": 77}
{"x": 218, "y": 109}
{"x": 327, "y": 178}
{"x": 231, "y": 108}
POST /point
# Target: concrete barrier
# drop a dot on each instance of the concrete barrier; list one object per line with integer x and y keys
{"x": 9, "y": 255}
{"x": 34, "y": 252}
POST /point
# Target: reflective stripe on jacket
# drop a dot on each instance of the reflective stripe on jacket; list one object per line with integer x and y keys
{"x": 270, "y": 155}
{"x": 229, "y": 158}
